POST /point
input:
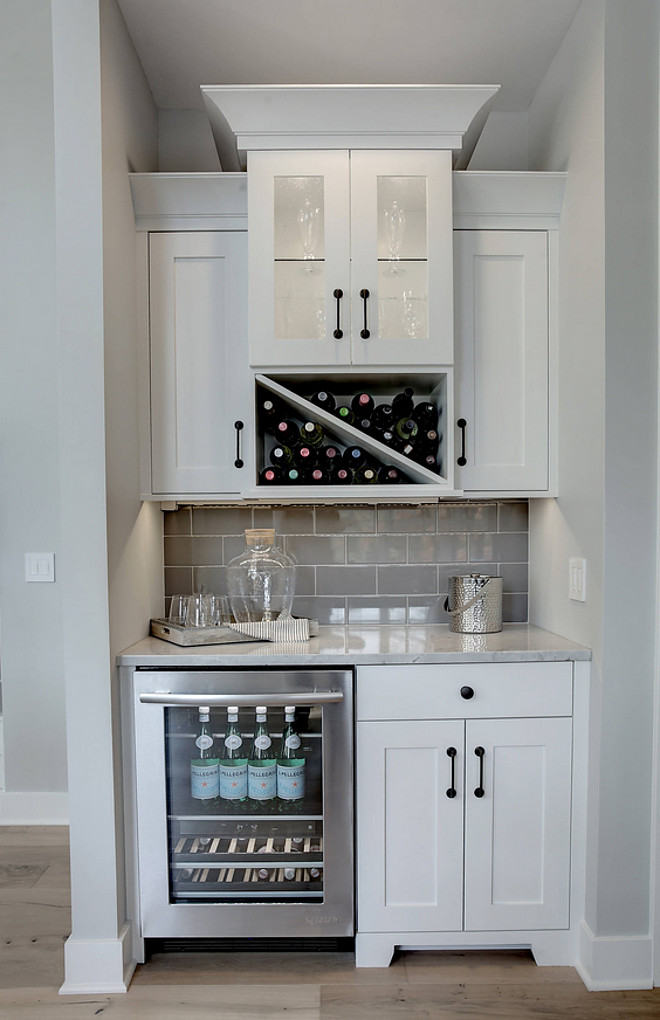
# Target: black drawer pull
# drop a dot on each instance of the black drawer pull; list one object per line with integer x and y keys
{"x": 238, "y": 425}
{"x": 467, "y": 693}
{"x": 338, "y": 332}
{"x": 451, "y": 792}
{"x": 462, "y": 460}
{"x": 480, "y": 753}
{"x": 364, "y": 333}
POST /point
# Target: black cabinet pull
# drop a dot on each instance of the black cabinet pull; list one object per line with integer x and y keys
{"x": 338, "y": 332}
{"x": 364, "y": 333}
{"x": 238, "y": 425}
{"x": 467, "y": 693}
{"x": 480, "y": 753}
{"x": 451, "y": 792}
{"x": 462, "y": 460}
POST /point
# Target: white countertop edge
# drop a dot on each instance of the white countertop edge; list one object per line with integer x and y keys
{"x": 368, "y": 645}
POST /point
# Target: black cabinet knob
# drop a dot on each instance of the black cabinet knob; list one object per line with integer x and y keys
{"x": 467, "y": 693}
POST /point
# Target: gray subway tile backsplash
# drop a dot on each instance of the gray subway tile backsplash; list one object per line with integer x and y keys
{"x": 362, "y": 564}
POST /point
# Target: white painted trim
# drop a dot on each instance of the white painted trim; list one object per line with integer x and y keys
{"x": 34, "y": 808}
{"x": 611, "y": 962}
{"x": 98, "y": 966}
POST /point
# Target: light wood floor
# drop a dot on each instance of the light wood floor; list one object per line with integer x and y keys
{"x": 34, "y": 923}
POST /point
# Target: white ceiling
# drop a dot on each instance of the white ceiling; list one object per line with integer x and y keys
{"x": 183, "y": 44}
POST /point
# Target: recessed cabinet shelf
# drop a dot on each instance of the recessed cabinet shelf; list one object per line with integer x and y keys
{"x": 292, "y": 392}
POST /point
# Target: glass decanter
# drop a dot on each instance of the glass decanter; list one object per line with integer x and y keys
{"x": 261, "y": 580}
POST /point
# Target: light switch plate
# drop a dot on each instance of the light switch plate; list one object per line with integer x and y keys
{"x": 577, "y": 579}
{"x": 40, "y": 566}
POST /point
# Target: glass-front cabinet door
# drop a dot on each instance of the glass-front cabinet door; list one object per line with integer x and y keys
{"x": 299, "y": 258}
{"x": 350, "y": 258}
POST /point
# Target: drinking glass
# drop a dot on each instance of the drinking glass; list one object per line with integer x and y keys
{"x": 178, "y": 609}
{"x": 217, "y": 610}
{"x": 196, "y": 610}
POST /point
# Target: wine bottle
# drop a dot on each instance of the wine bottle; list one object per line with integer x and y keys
{"x": 287, "y": 432}
{"x": 269, "y": 413}
{"x": 431, "y": 462}
{"x": 353, "y": 457}
{"x": 362, "y": 404}
{"x": 382, "y": 416}
{"x": 271, "y": 476}
{"x": 323, "y": 399}
{"x": 365, "y": 475}
{"x": 346, "y": 414}
{"x": 290, "y": 762}
{"x": 364, "y": 425}
{"x": 426, "y": 442}
{"x": 303, "y": 457}
{"x": 319, "y": 476}
{"x": 294, "y": 476}
{"x": 406, "y": 429}
{"x": 387, "y": 438}
{"x": 425, "y": 414}
{"x": 311, "y": 433}
{"x": 233, "y": 761}
{"x": 402, "y": 403}
{"x": 342, "y": 476}
{"x": 204, "y": 761}
{"x": 389, "y": 475}
{"x": 328, "y": 455}
{"x": 281, "y": 455}
{"x": 262, "y": 765}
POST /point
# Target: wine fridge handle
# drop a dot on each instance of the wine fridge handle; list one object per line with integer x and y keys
{"x": 273, "y": 700}
{"x": 239, "y": 426}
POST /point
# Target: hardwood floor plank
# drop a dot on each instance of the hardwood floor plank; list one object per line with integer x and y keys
{"x": 34, "y": 835}
{"x": 503, "y": 1001}
{"x": 28, "y": 961}
{"x": 175, "y": 1002}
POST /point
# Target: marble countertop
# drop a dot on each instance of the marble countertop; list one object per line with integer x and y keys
{"x": 367, "y": 645}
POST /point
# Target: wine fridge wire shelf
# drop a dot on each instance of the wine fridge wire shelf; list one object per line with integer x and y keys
{"x": 247, "y": 867}
{"x": 422, "y": 482}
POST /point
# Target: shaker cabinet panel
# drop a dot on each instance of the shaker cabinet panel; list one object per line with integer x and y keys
{"x": 502, "y": 402}
{"x": 410, "y": 832}
{"x": 198, "y": 362}
{"x": 517, "y": 835}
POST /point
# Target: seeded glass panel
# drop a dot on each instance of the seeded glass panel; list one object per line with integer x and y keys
{"x": 402, "y": 258}
{"x": 299, "y": 258}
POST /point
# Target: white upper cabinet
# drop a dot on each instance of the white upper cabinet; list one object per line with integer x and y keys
{"x": 350, "y": 258}
{"x": 201, "y": 411}
{"x": 502, "y": 395}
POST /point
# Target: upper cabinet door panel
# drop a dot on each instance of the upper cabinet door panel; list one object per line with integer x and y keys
{"x": 299, "y": 251}
{"x": 501, "y": 304}
{"x": 198, "y": 360}
{"x": 401, "y": 253}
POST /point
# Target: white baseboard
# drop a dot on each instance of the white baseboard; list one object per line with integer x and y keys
{"x": 96, "y": 967}
{"x": 34, "y": 808}
{"x": 611, "y": 963}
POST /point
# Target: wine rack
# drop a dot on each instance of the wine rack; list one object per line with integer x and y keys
{"x": 292, "y": 392}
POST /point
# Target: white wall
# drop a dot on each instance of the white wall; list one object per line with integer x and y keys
{"x": 596, "y": 116}
{"x": 185, "y": 142}
{"x": 31, "y": 644}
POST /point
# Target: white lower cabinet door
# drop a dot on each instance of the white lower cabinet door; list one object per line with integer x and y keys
{"x": 410, "y": 826}
{"x": 517, "y": 824}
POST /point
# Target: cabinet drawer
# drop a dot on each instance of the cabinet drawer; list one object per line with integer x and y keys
{"x": 501, "y": 689}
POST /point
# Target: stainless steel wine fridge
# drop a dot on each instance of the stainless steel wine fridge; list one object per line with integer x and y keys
{"x": 215, "y": 862}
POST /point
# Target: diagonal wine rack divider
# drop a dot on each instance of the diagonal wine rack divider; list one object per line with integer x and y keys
{"x": 351, "y": 436}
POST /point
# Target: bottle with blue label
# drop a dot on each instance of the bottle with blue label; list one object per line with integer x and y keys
{"x": 290, "y": 762}
{"x": 205, "y": 761}
{"x": 233, "y": 761}
{"x": 262, "y": 764}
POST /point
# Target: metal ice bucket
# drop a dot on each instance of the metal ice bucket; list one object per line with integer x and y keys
{"x": 474, "y": 604}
